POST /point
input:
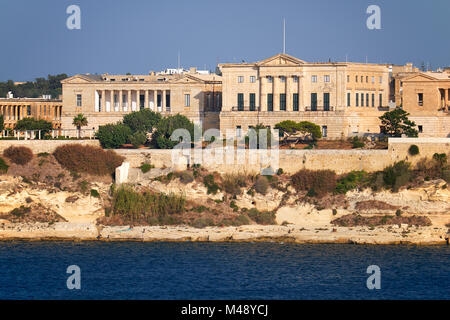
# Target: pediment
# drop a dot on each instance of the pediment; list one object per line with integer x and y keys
{"x": 187, "y": 79}
{"x": 79, "y": 78}
{"x": 281, "y": 60}
{"x": 420, "y": 77}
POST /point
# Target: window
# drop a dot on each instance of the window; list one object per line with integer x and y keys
{"x": 269, "y": 102}
{"x": 381, "y": 79}
{"x": 348, "y": 99}
{"x": 380, "y": 99}
{"x": 367, "y": 79}
{"x": 295, "y": 78}
{"x": 420, "y": 99}
{"x": 367, "y": 99}
{"x": 326, "y": 78}
{"x": 252, "y": 102}
{"x": 29, "y": 110}
{"x": 357, "y": 99}
{"x": 362, "y": 78}
{"x": 324, "y": 131}
{"x": 283, "y": 102}
{"x": 362, "y": 99}
{"x": 238, "y": 131}
{"x": 283, "y": 79}
{"x": 373, "y": 79}
{"x": 313, "y": 101}
{"x": 240, "y": 97}
{"x": 313, "y": 79}
{"x": 187, "y": 100}
{"x": 326, "y": 101}
{"x": 356, "y": 78}
{"x": 420, "y": 129}
{"x": 348, "y": 79}
{"x": 252, "y": 79}
{"x": 240, "y": 79}
{"x": 78, "y": 100}
{"x": 295, "y": 100}
{"x": 142, "y": 98}
{"x": 373, "y": 99}
{"x": 269, "y": 79}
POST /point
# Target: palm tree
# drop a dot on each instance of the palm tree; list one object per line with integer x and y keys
{"x": 80, "y": 121}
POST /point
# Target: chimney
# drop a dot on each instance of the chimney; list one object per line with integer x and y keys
{"x": 192, "y": 70}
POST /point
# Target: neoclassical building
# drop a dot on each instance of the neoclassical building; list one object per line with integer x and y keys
{"x": 343, "y": 98}
{"x": 15, "y": 109}
{"x": 107, "y": 98}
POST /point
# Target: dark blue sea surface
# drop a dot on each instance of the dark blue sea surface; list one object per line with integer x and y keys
{"x": 136, "y": 270}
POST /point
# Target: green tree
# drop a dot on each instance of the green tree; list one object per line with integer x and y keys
{"x": 80, "y": 121}
{"x": 144, "y": 120}
{"x": 33, "y": 124}
{"x": 287, "y": 129}
{"x": 259, "y": 128}
{"x": 396, "y": 123}
{"x": 112, "y": 136}
{"x": 2, "y": 123}
{"x": 165, "y": 128}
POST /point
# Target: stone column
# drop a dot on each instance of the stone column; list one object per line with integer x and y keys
{"x": 138, "y": 97}
{"x": 276, "y": 95}
{"x": 155, "y": 100}
{"x": 120, "y": 100}
{"x": 146, "y": 102}
{"x": 301, "y": 105}
{"x": 163, "y": 101}
{"x": 288, "y": 91}
{"x": 129, "y": 100}
{"x": 103, "y": 100}
{"x": 111, "y": 100}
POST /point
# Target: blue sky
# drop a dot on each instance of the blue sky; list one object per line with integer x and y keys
{"x": 136, "y": 36}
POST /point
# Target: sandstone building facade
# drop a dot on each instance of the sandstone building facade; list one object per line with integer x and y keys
{"x": 15, "y": 109}
{"x": 343, "y": 98}
{"x": 107, "y": 98}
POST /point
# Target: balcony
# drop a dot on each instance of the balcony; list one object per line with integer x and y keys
{"x": 319, "y": 108}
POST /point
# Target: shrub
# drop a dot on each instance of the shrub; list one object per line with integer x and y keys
{"x": 261, "y": 185}
{"x": 413, "y": 150}
{"x": 112, "y": 136}
{"x": 357, "y": 142}
{"x": 280, "y": 171}
{"x": 352, "y": 180}
{"x": 264, "y": 217}
{"x": 241, "y": 220}
{"x": 321, "y": 181}
{"x": 201, "y": 223}
{"x": 398, "y": 212}
{"x": 88, "y": 159}
{"x": 210, "y": 184}
{"x": 185, "y": 177}
{"x": 142, "y": 121}
{"x": 18, "y": 155}
{"x": 397, "y": 175}
{"x": 145, "y": 167}
{"x": 445, "y": 174}
{"x": 165, "y": 128}
{"x": 141, "y": 206}
{"x": 33, "y": 124}
{"x": 232, "y": 183}
{"x": 3, "y": 166}
{"x": 138, "y": 139}
{"x": 441, "y": 159}
{"x": 94, "y": 193}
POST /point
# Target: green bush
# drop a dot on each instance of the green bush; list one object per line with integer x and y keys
{"x": 142, "y": 121}
{"x": 241, "y": 220}
{"x": 165, "y": 128}
{"x": 142, "y": 206}
{"x": 112, "y": 136}
{"x": 138, "y": 139}
{"x": 87, "y": 159}
{"x": 33, "y": 124}
{"x": 320, "y": 181}
{"x": 357, "y": 142}
{"x": 18, "y": 155}
{"x": 232, "y": 183}
{"x": 265, "y": 217}
{"x": 261, "y": 185}
{"x": 351, "y": 181}
{"x": 413, "y": 150}
{"x": 210, "y": 184}
{"x": 397, "y": 175}
{"x": 145, "y": 167}
{"x": 94, "y": 193}
{"x": 185, "y": 176}
{"x": 445, "y": 174}
{"x": 3, "y": 166}
{"x": 201, "y": 223}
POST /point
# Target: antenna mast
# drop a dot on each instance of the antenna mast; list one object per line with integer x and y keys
{"x": 284, "y": 36}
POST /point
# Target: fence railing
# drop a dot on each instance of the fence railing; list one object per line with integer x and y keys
{"x": 54, "y": 134}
